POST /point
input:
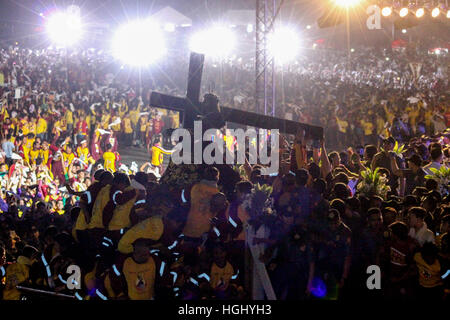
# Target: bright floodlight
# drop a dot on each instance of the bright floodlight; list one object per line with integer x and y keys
{"x": 448, "y": 14}
{"x": 420, "y": 12}
{"x": 386, "y": 12}
{"x": 403, "y": 12}
{"x": 346, "y": 3}
{"x": 284, "y": 44}
{"x": 217, "y": 42}
{"x": 435, "y": 12}
{"x": 404, "y": 31}
{"x": 139, "y": 43}
{"x": 64, "y": 29}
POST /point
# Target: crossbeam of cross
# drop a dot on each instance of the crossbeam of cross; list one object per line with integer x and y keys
{"x": 190, "y": 107}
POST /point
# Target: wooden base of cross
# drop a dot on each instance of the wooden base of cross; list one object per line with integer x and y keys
{"x": 191, "y": 108}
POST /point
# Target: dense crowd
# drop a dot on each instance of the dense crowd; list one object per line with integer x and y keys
{"x": 180, "y": 232}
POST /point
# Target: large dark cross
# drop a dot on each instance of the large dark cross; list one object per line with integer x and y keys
{"x": 190, "y": 107}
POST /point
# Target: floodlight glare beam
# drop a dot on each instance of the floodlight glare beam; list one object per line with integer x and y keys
{"x": 435, "y": 12}
{"x": 386, "y": 11}
{"x": 403, "y": 12}
{"x": 420, "y": 12}
{"x": 139, "y": 43}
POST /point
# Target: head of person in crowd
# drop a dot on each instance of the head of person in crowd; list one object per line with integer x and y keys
{"x": 141, "y": 250}
{"x": 389, "y": 215}
{"x": 335, "y": 159}
{"x": 388, "y": 144}
{"x": 341, "y": 191}
{"x": 431, "y": 184}
{"x": 414, "y": 163}
{"x": 314, "y": 171}
{"x": 211, "y": 174}
{"x": 106, "y": 177}
{"x": 333, "y": 219}
{"x": 302, "y": 178}
{"x": 121, "y": 180}
{"x": 243, "y": 188}
{"x": 416, "y": 217}
{"x": 319, "y": 186}
{"x": 399, "y": 231}
{"x": 219, "y": 203}
{"x": 374, "y": 219}
{"x": 436, "y": 154}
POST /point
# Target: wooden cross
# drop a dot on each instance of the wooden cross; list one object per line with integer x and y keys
{"x": 190, "y": 108}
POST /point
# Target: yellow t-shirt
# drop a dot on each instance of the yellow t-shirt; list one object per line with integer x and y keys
{"x": 429, "y": 275}
{"x": 134, "y": 116}
{"x": 16, "y": 274}
{"x": 69, "y": 117}
{"x": 199, "y": 215}
{"x": 342, "y": 124}
{"x": 121, "y": 215}
{"x": 110, "y": 161}
{"x": 140, "y": 279}
{"x": 143, "y": 124}
{"x": 97, "y": 210}
{"x": 157, "y": 155}
{"x": 368, "y": 127}
{"x": 221, "y": 275}
{"x": 24, "y": 127}
{"x": 127, "y": 125}
{"x": 41, "y": 126}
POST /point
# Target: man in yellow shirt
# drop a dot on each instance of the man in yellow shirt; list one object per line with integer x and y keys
{"x": 109, "y": 159}
{"x": 41, "y": 128}
{"x": 128, "y": 130}
{"x": 198, "y": 219}
{"x": 69, "y": 120}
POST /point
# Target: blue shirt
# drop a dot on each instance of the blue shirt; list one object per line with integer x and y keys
{"x": 8, "y": 148}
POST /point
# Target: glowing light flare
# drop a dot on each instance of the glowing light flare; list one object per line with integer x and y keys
{"x": 420, "y": 12}
{"x": 139, "y": 43}
{"x": 284, "y": 44}
{"x": 435, "y": 12}
{"x": 347, "y": 3}
{"x": 403, "y": 12}
{"x": 448, "y": 14}
{"x": 217, "y": 42}
{"x": 64, "y": 29}
{"x": 386, "y": 11}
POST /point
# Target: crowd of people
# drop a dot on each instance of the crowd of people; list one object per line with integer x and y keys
{"x": 380, "y": 198}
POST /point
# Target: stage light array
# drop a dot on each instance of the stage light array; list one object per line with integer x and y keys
{"x": 420, "y": 12}
{"x": 284, "y": 44}
{"x": 139, "y": 43}
{"x": 403, "y": 12}
{"x": 217, "y": 42}
{"x": 64, "y": 29}
{"x": 386, "y": 11}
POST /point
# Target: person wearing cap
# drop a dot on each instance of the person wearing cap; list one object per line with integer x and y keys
{"x": 414, "y": 176}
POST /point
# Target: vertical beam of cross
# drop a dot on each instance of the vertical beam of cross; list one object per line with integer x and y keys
{"x": 193, "y": 89}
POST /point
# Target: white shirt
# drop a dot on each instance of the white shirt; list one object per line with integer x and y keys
{"x": 433, "y": 164}
{"x": 423, "y": 235}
